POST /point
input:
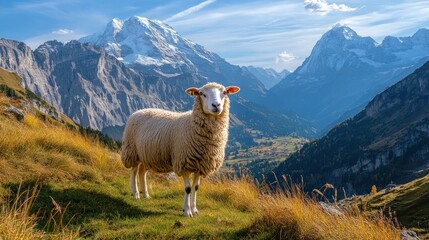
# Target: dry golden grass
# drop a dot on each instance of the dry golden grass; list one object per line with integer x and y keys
{"x": 37, "y": 148}
{"x": 292, "y": 215}
{"x": 240, "y": 193}
{"x": 16, "y": 221}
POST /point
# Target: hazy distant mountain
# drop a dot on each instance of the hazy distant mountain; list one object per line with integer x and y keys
{"x": 154, "y": 48}
{"x": 268, "y": 76}
{"x": 387, "y": 141}
{"x": 345, "y": 70}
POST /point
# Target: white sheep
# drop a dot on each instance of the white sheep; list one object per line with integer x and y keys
{"x": 186, "y": 143}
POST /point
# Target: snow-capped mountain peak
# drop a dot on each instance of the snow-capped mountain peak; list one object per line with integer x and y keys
{"x": 139, "y": 40}
{"x": 344, "y": 70}
{"x": 156, "y": 49}
{"x": 116, "y": 25}
{"x": 341, "y": 31}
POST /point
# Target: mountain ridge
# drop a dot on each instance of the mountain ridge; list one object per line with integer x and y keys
{"x": 344, "y": 71}
{"x": 387, "y": 141}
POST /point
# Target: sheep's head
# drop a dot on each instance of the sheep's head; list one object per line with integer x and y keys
{"x": 212, "y": 96}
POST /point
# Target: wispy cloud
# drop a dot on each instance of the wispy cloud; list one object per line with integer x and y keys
{"x": 401, "y": 19}
{"x": 322, "y": 7}
{"x": 62, "y": 35}
{"x": 190, "y": 10}
{"x": 63, "y": 31}
{"x": 285, "y": 57}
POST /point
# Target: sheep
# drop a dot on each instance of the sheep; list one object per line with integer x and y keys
{"x": 186, "y": 143}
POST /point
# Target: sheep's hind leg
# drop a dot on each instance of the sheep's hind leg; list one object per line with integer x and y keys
{"x": 194, "y": 190}
{"x": 133, "y": 183}
{"x": 143, "y": 182}
{"x": 186, "y": 204}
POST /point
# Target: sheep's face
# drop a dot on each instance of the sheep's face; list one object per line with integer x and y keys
{"x": 212, "y": 96}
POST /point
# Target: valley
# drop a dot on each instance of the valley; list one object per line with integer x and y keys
{"x": 266, "y": 154}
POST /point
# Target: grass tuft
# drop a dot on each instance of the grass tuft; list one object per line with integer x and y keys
{"x": 290, "y": 214}
{"x": 17, "y": 221}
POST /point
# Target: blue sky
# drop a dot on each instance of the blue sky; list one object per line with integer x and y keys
{"x": 268, "y": 33}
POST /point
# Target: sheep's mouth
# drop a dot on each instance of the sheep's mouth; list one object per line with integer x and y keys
{"x": 216, "y": 111}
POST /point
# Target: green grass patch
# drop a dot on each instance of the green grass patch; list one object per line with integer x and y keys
{"x": 106, "y": 210}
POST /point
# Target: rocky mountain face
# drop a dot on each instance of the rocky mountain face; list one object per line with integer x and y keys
{"x": 268, "y": 76}
{"x": 154, "y": 48}
{"x": 96, "y": 89}
{"x": 17, "y": 57}
{"x": 387, "y": 141}
{"x": 344, "y": 71}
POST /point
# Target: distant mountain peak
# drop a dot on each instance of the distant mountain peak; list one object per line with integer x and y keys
{"x": 139, "y": 40}
{"x": 421, "y": 37}
{"x": 342, "y": 30}
{"x": 150, "y": 23}
{"x": 115, "y": 25}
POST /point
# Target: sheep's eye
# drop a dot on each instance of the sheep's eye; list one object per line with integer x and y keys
{"x": 202, "y": 94}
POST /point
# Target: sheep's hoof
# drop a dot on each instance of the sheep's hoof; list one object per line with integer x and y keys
{"x": 194, "y": 211}
{"x": 136, "y": 196}
{"x": 187, "y": 213}
{"x": 145, "y": 195}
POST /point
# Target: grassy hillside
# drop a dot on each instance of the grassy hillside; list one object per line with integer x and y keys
{"x": 57, "y": 183}
{"x": 408, "y": 203}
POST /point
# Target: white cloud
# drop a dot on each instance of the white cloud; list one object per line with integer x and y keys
{"x": 285, "y": 57}
{"x": 62, "y": 35}
{"x": 322, "y": 7}
{"x": 63, "y": 31}
{"x": 190, "y": 10}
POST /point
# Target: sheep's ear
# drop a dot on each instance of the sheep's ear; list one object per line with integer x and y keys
{"x": 232, "y": 90}
{"x": 193, "y": 91}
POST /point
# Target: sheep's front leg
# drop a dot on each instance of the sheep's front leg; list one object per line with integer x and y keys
{"x": 186, "y": 205}
{"x": 143, "y": 182}
{"x": 194, "y": 190}
{"x": 133, "y": 183}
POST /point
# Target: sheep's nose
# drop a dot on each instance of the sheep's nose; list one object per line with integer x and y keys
{"x": 216, "y": 105}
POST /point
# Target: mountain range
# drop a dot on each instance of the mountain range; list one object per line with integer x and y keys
{"x": 101, "y": 79}
{"x": 345, "y": 71}
{"x": 386, "y": 142}
{"x": 96, "y": 87}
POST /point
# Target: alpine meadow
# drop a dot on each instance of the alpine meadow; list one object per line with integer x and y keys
{"x": 214, "y": 119}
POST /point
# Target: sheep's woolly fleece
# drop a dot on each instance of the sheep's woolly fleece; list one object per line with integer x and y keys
{"x": 165, "y": 141}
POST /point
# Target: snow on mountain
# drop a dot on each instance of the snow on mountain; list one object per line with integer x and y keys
{"x": 341, "y": 45}
{"x": 337, "y": 47}
{"x": 154, "y": 48}
{"x": 345, "y": 70}
{"x": 148, "y": 42}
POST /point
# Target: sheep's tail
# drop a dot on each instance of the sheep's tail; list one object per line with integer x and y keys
{"x": 129, "y": 155}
